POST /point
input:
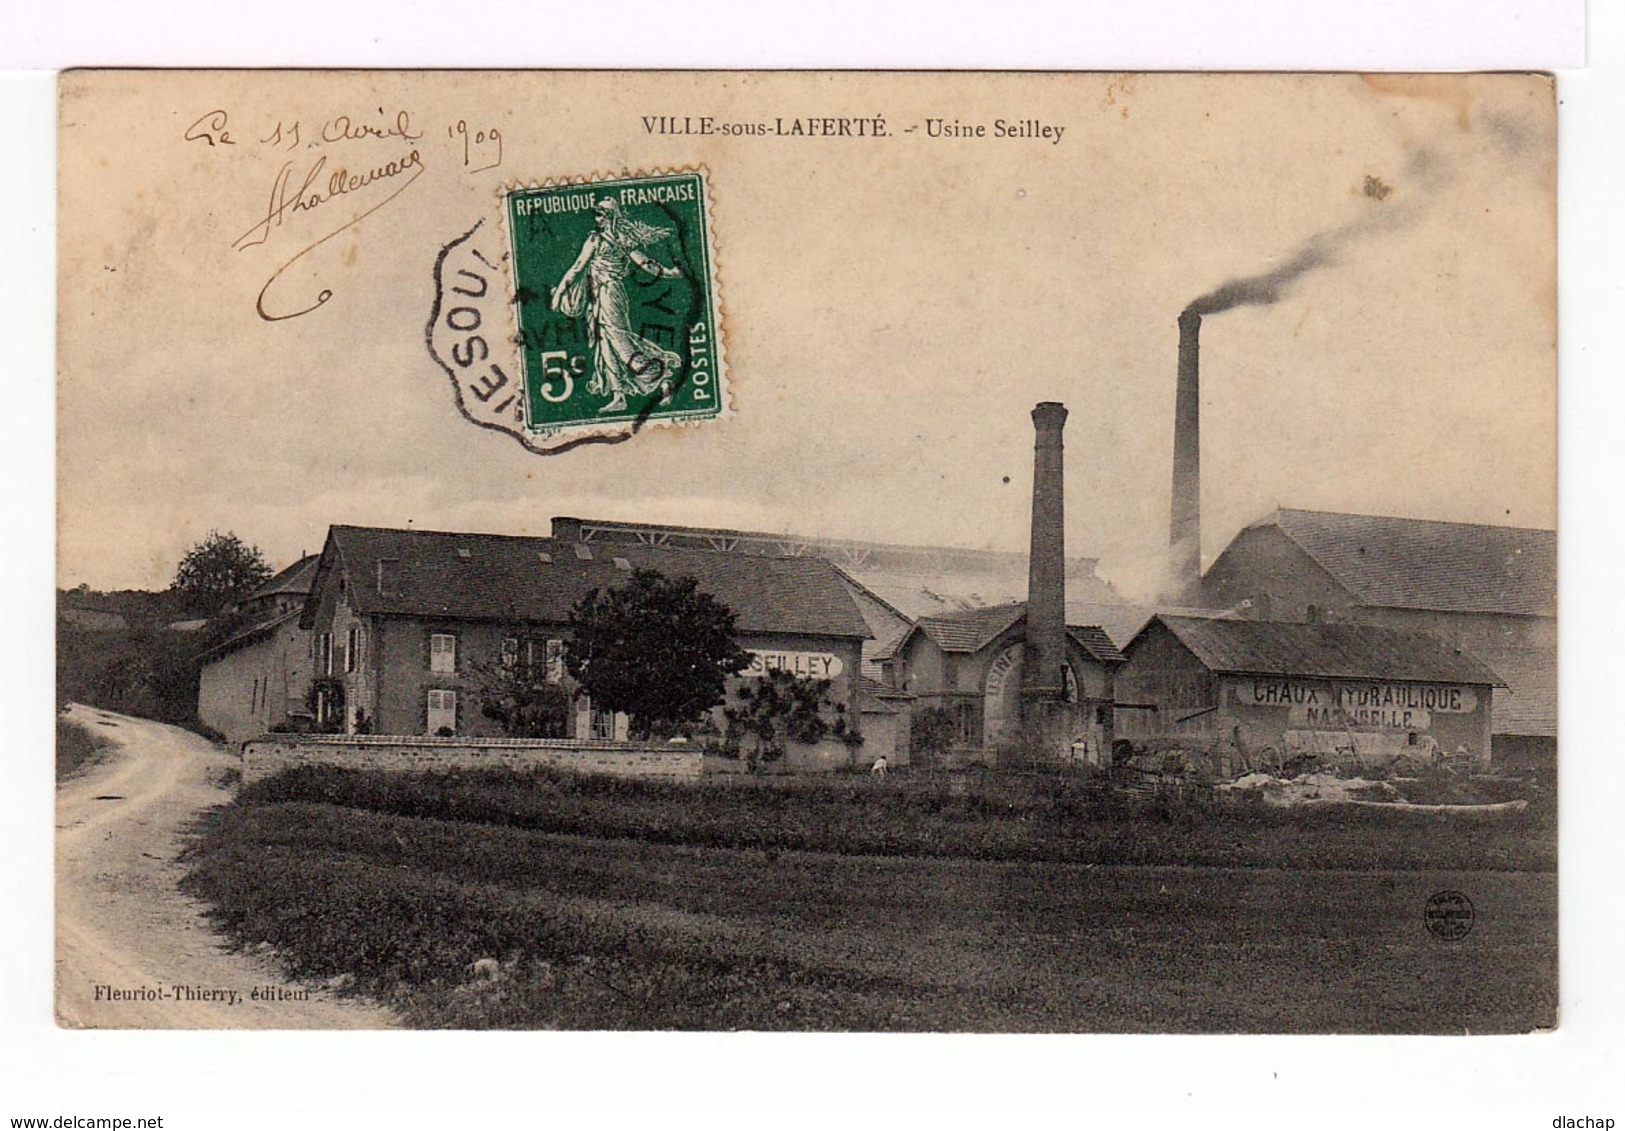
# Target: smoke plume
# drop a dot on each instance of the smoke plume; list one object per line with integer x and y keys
{"x": 1266, "y": 289}
{"x": 1319, "y": 250}
{"x": 1425, "y": 172}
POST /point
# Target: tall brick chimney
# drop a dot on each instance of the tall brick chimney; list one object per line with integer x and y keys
{"x": 1041, "y": 674}
{"x": 1185, "y": 508}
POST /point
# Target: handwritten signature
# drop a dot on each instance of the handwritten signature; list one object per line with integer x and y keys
{"x": 301, "y": 188}
{"x": 311, "y": 194}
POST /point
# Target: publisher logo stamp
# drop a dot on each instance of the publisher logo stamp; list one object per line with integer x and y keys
{"x": 1449, "y": 915}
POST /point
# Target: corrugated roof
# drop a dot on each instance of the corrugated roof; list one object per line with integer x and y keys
{"x": 927, "y": 592}
{"x": 1408, "y": 563}
{"x": 1329, "y": 651}
{"x": 509, "y": 578}
{"x": 1529, "y": 703}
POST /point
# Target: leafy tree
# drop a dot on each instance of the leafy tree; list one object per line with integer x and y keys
{"x": 219, "y": 570}
{"x": 780, "y": 708}
{"x": 519, "y": 697}
{"x": 656, "y": 648}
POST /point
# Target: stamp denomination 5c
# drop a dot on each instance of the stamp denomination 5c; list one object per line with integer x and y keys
{"x": 616, "y": 301}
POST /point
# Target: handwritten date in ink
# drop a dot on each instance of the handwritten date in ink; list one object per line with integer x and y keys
{"x": 211, "y": 127}
{"x": 482, "y": 149}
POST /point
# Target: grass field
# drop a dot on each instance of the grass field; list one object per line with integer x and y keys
{"x": 617, "y": 932}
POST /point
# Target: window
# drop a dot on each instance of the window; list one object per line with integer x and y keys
{"x": 603, "y": 724}
{"x": 555, "y": 661}
{"x": 326, "y": 708}
{"x": 254, "y": 698}
{"x": 510, "y": 651}
{"x": 442, "y": 653}
{"x": 352, "y": 649}
{"x": 324, "y": 653}
{"x": 965, "y": 724}
{"x": 442, "y": 713}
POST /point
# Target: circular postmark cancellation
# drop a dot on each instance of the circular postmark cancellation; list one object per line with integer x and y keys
{"x": 597, "y": 315}
{"x": 1448, "y": 915}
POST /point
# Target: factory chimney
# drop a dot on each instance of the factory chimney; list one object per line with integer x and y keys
{"x": 1041, "y": 674}
{"x": 1185, "y": 509}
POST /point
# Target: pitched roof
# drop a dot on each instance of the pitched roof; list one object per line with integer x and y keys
{"x": 250, "y": 635}
{"x": 296, "y": 578}
{"x": 875, "y": 697}
{"x": 880, "y": 689}
{"x": 910, "y": 581}
{"x": 1329, "y": 651}
{"x": 1408, "y": 563}
{"x": 972, "y": 630}
{"x": 509, "y": 578}
{"x": 1093, "y": 640}
{"x": 1528, "y": 706}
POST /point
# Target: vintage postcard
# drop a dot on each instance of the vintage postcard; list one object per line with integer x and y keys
{"x": 928, "y": 552}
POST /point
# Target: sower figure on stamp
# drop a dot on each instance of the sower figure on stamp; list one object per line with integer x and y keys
{"x": 624, "y": 363}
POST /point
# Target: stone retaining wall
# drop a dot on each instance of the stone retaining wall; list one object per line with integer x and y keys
{"x": 266, "y": 755}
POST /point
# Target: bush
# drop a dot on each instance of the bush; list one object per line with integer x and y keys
{"x": 77, "y": 748}
{"x": 1040, "y": 817}
{"x": 930, "y": 730}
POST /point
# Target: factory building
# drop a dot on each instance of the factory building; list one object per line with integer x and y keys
{"x": 1244, "y": 692}
{"x": 970, "y": 666}
{"x": 399, "y": 621}
{"x": 893, "y": 584}
{"x": 1488, "y": 590}
{"x": 1015, "y": 682}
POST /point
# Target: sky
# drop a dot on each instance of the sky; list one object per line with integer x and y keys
{"x": 892, "y": 309}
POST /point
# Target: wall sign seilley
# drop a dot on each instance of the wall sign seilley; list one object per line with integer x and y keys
{"x": 804, "y": 665}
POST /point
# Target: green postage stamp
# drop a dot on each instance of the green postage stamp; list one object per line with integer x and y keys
{"x": 616, "y": 301}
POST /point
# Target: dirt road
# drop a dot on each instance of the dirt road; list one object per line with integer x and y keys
{"x": 132, "y": 952}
